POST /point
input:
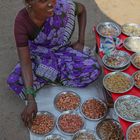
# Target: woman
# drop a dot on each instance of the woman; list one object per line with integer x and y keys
{"x": 42, "y": 33}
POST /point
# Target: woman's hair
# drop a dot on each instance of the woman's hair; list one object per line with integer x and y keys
{"x": 26, "y": 1}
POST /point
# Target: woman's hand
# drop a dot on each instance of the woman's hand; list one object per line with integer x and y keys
{"x": 78, "y": 46}
{"x": 29, "y": 113}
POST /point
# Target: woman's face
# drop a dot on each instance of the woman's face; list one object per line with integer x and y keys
{"x": 44, "y": 8}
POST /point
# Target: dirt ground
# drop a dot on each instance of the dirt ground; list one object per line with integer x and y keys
{"x": 11, "y": 126}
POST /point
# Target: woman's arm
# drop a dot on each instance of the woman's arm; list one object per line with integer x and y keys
{"x": 26, "y": 67}
{"x": 81, "y": 16}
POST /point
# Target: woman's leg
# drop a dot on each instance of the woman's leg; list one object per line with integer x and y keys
{"x": 15, "y": 82}
{"x": 76, "y": 68}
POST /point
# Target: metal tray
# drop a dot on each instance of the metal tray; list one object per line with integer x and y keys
{"x": 127, "y": 107}
{"x": 64, "y": 93}
{"x": 72, "y": 113}
{"x": 129, "y": 129}
{"x": 103, "y": 103}
{"x": 45, "y": 113}
{"x": 134, "y": 78}
{"x": 113, "y": 123}
{"x": 120, "y": 59}
{"x": 131, "y": 29}
{"x": 120, "y": 69}
{"x": 54, "y": 137}
{"x": 85, "y": 132}
{"x": 132, "y": 59}
{"x": 105, "y": 28}
{"x": 118, "y": 82}
{"x": 132, "y": 44}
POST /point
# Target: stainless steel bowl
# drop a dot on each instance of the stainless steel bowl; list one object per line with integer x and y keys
{"x": 130, "y": 128}
{"x": 102, "y": 102}
{"x": 104, "y": 29}
{"x": 122, "y": 57}
{"x": 132, "y": 59}
{"x": 132, "y": 44}
{"x": 106, "y": 135}
{"x": 119, "y": 69}
{"x": 70, "y": 112}
{"x": 127, "y": 107}
{"x": 131, "y": 29}
{"x": 86, "y": 135}
{"x": 134, "y": 78}
{"x": 64, "y": 93}
{"x": 54, "y": 137}
{"x": 45, "y": 113}
{"x": 117, "y": 81}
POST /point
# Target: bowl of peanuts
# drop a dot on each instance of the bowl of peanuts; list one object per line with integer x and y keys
{"x": 109, "y": 129}
{"x": 133, "y": 132}
{"x": 69, "y": 122}
{"x": 43, "y": 124}
{"x": 94, "y": 109}
{"x": 136, "y": 77}
{"x": 67, "y": 100}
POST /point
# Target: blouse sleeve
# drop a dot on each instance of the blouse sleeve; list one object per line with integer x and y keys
{"x": 20, "y": 33}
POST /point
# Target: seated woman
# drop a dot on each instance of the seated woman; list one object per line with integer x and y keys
{"x": 42, "y": 32}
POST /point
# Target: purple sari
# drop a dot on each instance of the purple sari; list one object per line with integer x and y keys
{"x": 53, "y": 59}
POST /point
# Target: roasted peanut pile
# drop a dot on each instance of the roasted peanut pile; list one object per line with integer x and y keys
{"x": 70, "y": 123}
{"x": 109, "y": 130}
{"x": 67, "y": 101}
{"x": 93, "y": 109}
{"x": 42, "y": 124}
{"x": 134, "y": 133}
{"x": 118, "y": 83}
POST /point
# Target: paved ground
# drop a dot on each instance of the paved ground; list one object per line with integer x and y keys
{"x": 11, "y": 127}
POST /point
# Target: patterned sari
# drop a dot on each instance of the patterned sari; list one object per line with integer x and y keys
{"x": 53, "y": 58}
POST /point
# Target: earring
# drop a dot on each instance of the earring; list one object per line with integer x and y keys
{"x": 28, "y": 6}
{"x": 49, "y": 4}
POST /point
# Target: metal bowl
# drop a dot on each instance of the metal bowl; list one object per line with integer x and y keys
{"x": 96, "y": 119}
{"x": 127, "y": 107}
{"x": 68, "y": 102}
{"x": 69, "y": 112}
{"x": 106, "y": 29}
{"x": 112, "y": 125}
{"x": 134, "y": 74}
{"x": 131, "y": 29}
{"x": 119, "y": 69}
{"x": 118, "y": 82}
{"x": 133, "y": 57}
{"x": 117, "y": 60}
{"x": 129, "y": 130}
{"x": 86, "y": 135}
{"x": 54, "y": 137}
{"x": 54, "y": 122}
{"x": 132, "y": 44}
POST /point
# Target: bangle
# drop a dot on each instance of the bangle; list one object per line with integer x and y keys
{"x": 30, "y": 91}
